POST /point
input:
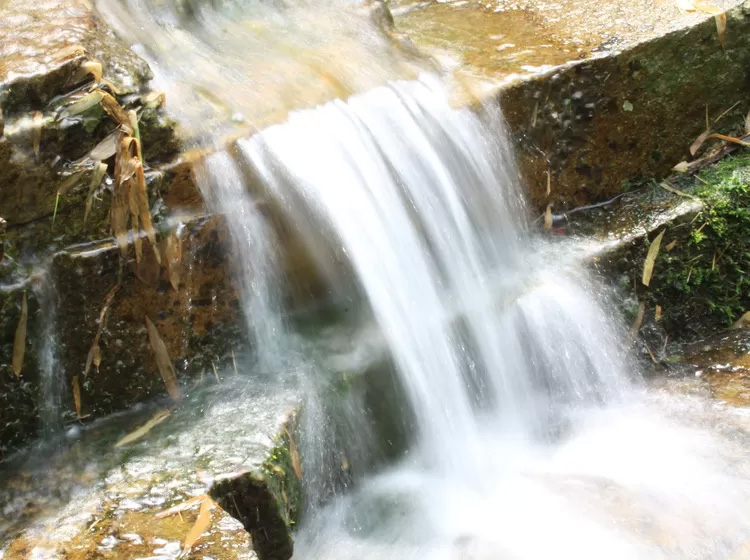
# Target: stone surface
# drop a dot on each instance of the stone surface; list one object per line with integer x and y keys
{"x": 90, "y": 498}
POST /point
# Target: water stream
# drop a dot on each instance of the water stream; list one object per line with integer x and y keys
{"x": 533, "y": 436}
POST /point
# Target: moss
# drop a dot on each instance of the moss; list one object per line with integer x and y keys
{"x": 703, "y": 284}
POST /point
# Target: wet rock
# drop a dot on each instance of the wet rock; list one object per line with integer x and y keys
{"x": 267, "y": 501}
{"x": 599, "y": 125}
{"x": 90, "y": 498}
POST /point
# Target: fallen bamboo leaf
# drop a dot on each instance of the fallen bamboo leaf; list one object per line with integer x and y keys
{"x": 133, "y": 119}
{"x": 183, "y": 506}
{"x": 71, "y": 181}
{"x": 657, "y": 313}
{"x": 671, "y": 245}
{"x": 200, "y": 526}
{"x": 173, "y": 255}
{"x": 548, "y": 217}
{"x": 107, "y": 147}
{"x": 747, "y": 123}
{"x": 653, "y": 252}
{"x": 138, "y": 433}
{"x": 743, "y": 322}
{"x": 154, "y": 99}
{"x": 19, "y": 340}
{"x": 84, "y": 103}
{"x": 96, "y": 179}
{"x": 77, "y": 396}
{"x": 163, "y": 361}
{"x": 721, "y": 28}
{"x": 94, "y": 354}
{"x": 294, "y": 455}
{"x": 667, "y": 187}
{"x": 115, "y": 111}
{"x": 37, "y": 122}
{"x": 88, "y": 67}
{"x": 731, "y": 139}
{"x": 707, "y": 8}
{"x": 681, "y": 167}
{"x": 696, "y": 145}
{"x": 636, "y": 326}
{"x": 549, "y": 181}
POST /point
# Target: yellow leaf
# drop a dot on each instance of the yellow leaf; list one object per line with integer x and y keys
{"x": 672, "y": 245}
{"x": 721, "y": 28}
{"x": 743, "y": 322}
{"x": 77, "y": 396}
{"x": 548, "y": 217}
{"x": 138, "y": 433}
{"x": 84, "y": 103}
{"x": 681, "y": 167}
{"x": 115, "y": 111}
{"x": 200, "y": 525}
{"x": 657, "y": 313}
{"x": 94, "y": 355}
{"x": 636, "y": 326}
{"x": 163, "y": 361}
{"x": 731, "y": 139}
{"x": 19, "y": 341}
{"x": 183, "y": 506}
{"x": 36, "y": 132}
{"x": 653, "y": 252}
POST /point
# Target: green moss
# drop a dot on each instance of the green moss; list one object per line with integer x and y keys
{"x": 703, "y": 283}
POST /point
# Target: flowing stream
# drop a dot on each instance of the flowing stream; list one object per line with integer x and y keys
{"x": 532, "y": 435}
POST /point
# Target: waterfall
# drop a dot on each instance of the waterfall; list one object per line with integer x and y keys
{"x": 52, "y": 378}
{"x": 423, "y": 200}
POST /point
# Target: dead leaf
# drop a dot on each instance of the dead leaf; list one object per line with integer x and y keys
{"x": 653, "y": 252}
{"x": 696, "y": 145}
{"x": 19, "y": 341}
{"x": 163, "y": 361}
{"x": 707, "y": 8}
{"x": 681, "y": 167}
{"x": 731, "y": 139}
{"x": 77, "y": 396}
{"x": 138, "y": 433}
{"x": 183, "y": 506}
{"x": 154, "y": 99}
{"x": 88, "y": 67}
{"x": 84, "y": 103}
{"x": 671, "y": 245}
{"x": 71, "y": 181}
{"x": 721, "y": 28}
{"x": 94, "y": 354}
{"x": 747, "y": 123}
{"x": 107, "y": 147}
{"x": 36, "y": 132}
{"x": 548, "y": 217}
{"x": 96, "y": 179}
{"x": 657, "y": 313}
{"x": 549, "y": 182}
{"x": 636, "y": 326}
{"x": 200, "y": 526}
{"x": 115, "y": 111}
{"x": 743, "y": 322}
{"x": 173, "y": 256}
{"x": 667, "y": 187}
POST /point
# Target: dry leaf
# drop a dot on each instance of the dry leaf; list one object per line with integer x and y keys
{"x": 19, "y": 341}
{"x": 115, "y": 111}
{"x": 96, "y": 179}
{"x": 77, "y": 396}
{"x": 71, "y": 181}
{"x": 657, "y": 313}
{"x": 138, "y": 433}
{"x": 671, "y": 245}
{"x": 636, "y": 326}
{"x": 107, "y": 147}
{"x": 154, "y": 99}
{"x": 747, "y": 123}
{"x": 94, "y": 354}
{"x": 294, "y": 455}
{"x": 707, "y": 8}
{"x": 88, "y": 67}
{"x": 653, "y": 252}
{"x": 721, "y": 28}
{"x": 743, "y": 322}
{"x": 163, "y": 361}
{"x": 183, "y": 506}
{"x": 667, "y": 187}
{"x": 37, "y": 123}
{"x": 695, "y": 146}
{"x": 200, "y": 526}
{"x": 549, "y": 182}
{"x": 173, "y": 255}
{"x": 731, "y": 139}
{"x": 548, "y": 217}
{"x": 681, "y": 167}
{"x": 84, "y": 103}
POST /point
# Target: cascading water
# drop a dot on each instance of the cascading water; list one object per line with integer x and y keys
{"x": 531, "y": 441}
